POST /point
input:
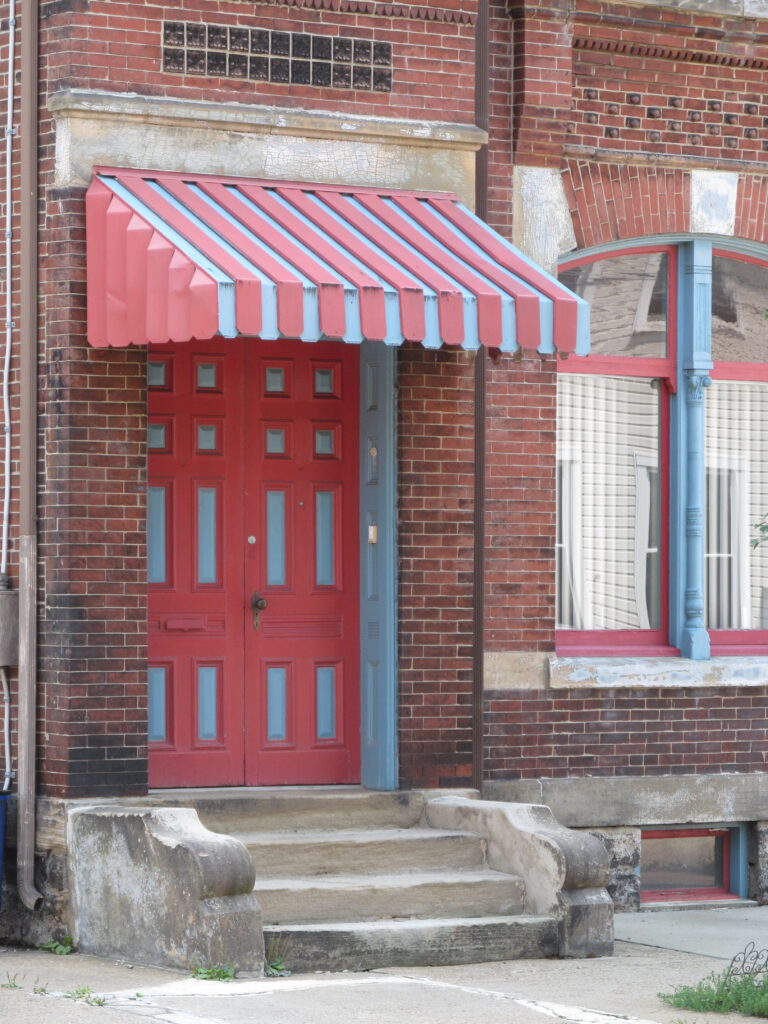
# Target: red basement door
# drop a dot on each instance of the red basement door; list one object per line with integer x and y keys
{"x": 253, "y": 564}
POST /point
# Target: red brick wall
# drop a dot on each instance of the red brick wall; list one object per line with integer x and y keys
{"x": 752, "y": 208}
{"x": 116, "y": 45}
{"x": 435, "y": 498}
{"x": 499, "y": 119}
{"x": 542, "y": 80}
{"x": 92, "y": 643}
{"x": 566, "y": 733}
{"x": 520, "y": 505}
{"x": 661, "y": 80}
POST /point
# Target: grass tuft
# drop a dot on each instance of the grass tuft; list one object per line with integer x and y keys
{"x": 217, "y": 972}
{"x": 61, "y": 947}
{"x": 276, "y": 953}
{"x": 719, "y": 993}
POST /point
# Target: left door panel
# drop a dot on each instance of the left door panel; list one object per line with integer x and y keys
{"x": 195, "y": 470}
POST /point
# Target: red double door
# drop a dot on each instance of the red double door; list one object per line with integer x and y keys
{"x": 253, "y": 560}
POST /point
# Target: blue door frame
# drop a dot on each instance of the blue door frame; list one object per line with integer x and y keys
{"x": 378, "y": 567}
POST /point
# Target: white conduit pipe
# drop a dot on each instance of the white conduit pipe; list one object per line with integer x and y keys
{"x": 8, "y": 774}
{"x": 10, "y": 132}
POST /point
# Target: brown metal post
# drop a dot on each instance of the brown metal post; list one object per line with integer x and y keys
{"x": 478, "y": 584}
{"x": 30, "y": 897}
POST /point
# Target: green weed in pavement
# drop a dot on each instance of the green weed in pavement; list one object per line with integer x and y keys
{"x": 718, "y": 993}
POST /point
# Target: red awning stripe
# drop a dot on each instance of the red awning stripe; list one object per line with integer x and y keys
{"x": 172, "y": 257}
{"x": 410, "y": 292}
{"x": 291, "y": 222}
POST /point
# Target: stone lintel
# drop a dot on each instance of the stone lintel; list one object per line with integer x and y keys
{"x": 128, "y": 130}
{"x": 256, "y": 117}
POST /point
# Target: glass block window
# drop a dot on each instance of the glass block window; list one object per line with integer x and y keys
{"x": 285, "y": 58}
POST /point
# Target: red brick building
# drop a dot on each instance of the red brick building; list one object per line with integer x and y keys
{"x": 543, "y": 564}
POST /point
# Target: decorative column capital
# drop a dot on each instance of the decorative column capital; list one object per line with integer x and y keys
{"x": 696, "y": 380}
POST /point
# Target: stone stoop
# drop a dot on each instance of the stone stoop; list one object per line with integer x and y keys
{"x": 328, "y": 878}
{"x": 349, "y": 879}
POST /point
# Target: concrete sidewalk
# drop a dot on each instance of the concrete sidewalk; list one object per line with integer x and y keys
{"x": 717, "y": 932}
{"x": 599, "y": 991}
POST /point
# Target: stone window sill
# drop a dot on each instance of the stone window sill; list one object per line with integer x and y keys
{"x": 632, "y": 673}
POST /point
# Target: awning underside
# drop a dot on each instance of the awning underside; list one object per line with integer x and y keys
{"x": 175, "y": 257}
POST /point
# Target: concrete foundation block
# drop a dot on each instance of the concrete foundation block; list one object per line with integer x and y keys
{"x": 152, "y": 885}
{"x": 642, "y": 800}
{"x": 758, "y": 860}
{"x": 586, "y": 923}
{"x": 623, "y": 848}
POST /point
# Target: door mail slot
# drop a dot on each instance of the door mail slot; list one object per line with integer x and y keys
{"x": 185, "y": 623}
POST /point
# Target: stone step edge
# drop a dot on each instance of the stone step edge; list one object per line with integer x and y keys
{"x": 410, "y": 924}
{"x": 310, "y": 837}
{"x": 374, "y": 945}
{"x": 409, "y": 879}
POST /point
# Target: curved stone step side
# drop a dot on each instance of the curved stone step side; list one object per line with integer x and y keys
{"x": 362, "y": 851}
{"x": 436, "y": 942}
{"x": 345, "y": 898}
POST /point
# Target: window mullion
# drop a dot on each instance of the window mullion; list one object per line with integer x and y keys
{"x": 687, "y": 579}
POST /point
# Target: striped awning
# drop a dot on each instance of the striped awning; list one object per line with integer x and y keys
{"x": 176, "y": 257}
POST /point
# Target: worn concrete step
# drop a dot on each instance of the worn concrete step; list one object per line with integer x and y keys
{"x": 367, "y": 945}
{"x": 286, "y": 808}
{"x": 361, "y": 851}
{"x": 374, "y": 897}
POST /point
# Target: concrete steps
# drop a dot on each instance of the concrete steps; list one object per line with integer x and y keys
{"x": 345, "y": 897}
{"x": 438, "y": 941}
{"x": 361, "y": 851}
{"x": 350, "y": 879}
{"x": 282, "y": 808}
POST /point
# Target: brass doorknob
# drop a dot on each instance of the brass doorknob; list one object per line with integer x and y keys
{"x": 258, "y": 604}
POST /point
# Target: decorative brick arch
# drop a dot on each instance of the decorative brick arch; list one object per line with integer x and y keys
{"x": 752, "y": 208}
{"x": 610, "y": 202}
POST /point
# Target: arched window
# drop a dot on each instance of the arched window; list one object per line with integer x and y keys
{"x": 656, "y": 526}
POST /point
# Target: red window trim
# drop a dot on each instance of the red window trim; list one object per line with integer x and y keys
{"x": 736, "y": 642}
{"x": 698, "y": 893}
{"x": 757, "y": 372}
{"x": 702, "y": 895}
{"x": 613, "y": 643}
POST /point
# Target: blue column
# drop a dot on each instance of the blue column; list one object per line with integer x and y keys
{"x": 694, "y": 364}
